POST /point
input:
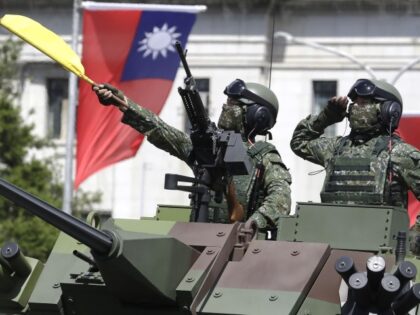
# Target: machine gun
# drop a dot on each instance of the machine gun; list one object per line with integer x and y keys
{"x": 216, "y": 155}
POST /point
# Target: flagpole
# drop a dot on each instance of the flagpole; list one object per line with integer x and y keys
{"x": 71, "y": 119}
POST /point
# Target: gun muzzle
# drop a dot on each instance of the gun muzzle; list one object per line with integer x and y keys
{"x": 17, "y": 261}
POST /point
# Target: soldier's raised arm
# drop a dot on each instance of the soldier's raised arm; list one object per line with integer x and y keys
{"x": 158, "y": 132}
{"x": 307, "y": 141}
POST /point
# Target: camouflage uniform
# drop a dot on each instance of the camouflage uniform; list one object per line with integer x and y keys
{"x": 275, "y": 192}
{"x": 356, "y": 167}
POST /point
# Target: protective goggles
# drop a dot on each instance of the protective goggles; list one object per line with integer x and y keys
{"x": 366, "y": 88}
{"x": 238, "y": 91}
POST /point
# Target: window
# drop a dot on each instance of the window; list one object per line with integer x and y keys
{"x": 57, "y": 108}
{"x": 322, "y": 92}
{"x": 203, "y": 86}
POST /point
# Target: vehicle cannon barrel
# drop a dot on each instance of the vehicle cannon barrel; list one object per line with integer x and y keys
{"x": 117, "y": 254}
{"x": 98, "y": 241}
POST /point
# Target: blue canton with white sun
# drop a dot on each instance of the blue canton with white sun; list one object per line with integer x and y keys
{"x": 153, "y": 53}
{"x": 159, "y": 41}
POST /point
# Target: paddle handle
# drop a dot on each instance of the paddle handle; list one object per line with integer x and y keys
{"x": 118, "y": 101}
{"x": 87, "y": 79}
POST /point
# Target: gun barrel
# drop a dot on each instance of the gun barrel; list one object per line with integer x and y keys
{"x": 97, "y": 240}
{"x": 181, "y": 54}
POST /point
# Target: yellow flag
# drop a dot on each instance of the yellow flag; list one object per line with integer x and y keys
{"x": 46, "y": 41}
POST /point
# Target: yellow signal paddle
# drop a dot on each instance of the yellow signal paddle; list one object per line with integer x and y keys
{"x": 50, "y": 44}
{"x": 46, "y": 41}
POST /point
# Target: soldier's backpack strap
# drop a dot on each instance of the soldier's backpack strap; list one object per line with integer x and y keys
{"x": 383, "y": 142}
{"x": 339, "y": 148}
{"x": 261, "y": 148}
{"x": 255, "y": 190}
{"x": 394, "y": 192}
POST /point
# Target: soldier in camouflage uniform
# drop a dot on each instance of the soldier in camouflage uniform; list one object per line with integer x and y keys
{"x": 371, "y": 165}
{"x": 251, "y": 115}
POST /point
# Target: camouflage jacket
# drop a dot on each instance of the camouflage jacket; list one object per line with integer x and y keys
{"x": 308, "y": 143}
{"x": 276, "y": 181}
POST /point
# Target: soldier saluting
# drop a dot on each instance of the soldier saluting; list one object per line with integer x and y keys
{"x": 371, "y": 165}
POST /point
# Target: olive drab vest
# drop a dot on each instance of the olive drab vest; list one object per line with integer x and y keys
{"x": 363, "y": 177}
{"x": 244, "y": 183}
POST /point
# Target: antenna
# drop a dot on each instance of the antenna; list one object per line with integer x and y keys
{"x": 272, "y": 48}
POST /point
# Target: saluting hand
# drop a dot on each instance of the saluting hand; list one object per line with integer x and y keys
{"x": 336, "y": 109}
{"x": 338, "y": 103}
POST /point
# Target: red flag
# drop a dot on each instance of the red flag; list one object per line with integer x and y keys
{"x": 131, "y": 47}
{"x": 409, "y": 131}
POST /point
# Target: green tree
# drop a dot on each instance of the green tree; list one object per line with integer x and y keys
{"x": 19, "y": 166}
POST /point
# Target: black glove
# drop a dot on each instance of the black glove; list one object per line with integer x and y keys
{"x": 334, "y": 112}
{"x": 105, "y": 93}
{"x": 336, "y": 109}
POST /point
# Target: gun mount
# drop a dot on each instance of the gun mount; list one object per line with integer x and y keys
{"x": 327, "y": 259}
{"x": 216, "y": 153}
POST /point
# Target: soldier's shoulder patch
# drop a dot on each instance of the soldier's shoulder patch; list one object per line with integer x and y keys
{"x": 261, "y": 148}
{"x": 280, "y": 172}
{"x": 405, "y": 149}
{"x": 275, "y": 158}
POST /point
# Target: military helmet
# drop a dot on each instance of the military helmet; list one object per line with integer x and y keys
{"x": 262, "y": 104}
{"x": 376, "y": 89}
{"x": 386, "y": 93}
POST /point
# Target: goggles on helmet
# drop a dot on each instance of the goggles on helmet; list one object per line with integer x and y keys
{"x": 238, "y": 91}
{"x": 366, "y": 88}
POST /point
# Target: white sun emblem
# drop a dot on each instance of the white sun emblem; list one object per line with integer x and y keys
{"x": 160, "y": 40}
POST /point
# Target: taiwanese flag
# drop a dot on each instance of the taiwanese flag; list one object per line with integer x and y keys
{"x": 409, "y": 129}
{"x": 130, "y": 46}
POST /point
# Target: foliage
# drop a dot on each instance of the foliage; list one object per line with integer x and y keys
{"x": 19, "y": 166}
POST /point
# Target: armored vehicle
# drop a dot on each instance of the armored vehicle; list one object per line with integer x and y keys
{"x": 327, "y": 259}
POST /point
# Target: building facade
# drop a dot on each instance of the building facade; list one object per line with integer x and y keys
{"x": 235, "y": 39}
